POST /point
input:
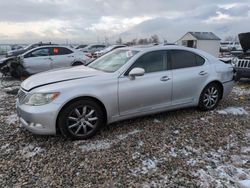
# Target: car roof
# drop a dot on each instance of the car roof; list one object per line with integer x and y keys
{"x": 52, "y": 46}
{"x": 171, "y": 47}
{"x": 158, "y": 47}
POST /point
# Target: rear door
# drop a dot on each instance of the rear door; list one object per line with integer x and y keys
{"x": 37, "y": 60}
{"x": 61, "y": 57}
{"x": 190, "y": 72}
{"x": 149, "y": 92}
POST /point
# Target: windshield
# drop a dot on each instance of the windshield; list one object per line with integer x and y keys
{"x": 113, "y": 60}
{"x": 107, "y": 49}
{"x": 27, "y": 47}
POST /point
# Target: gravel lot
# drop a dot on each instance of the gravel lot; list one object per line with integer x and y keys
{"x": 184, "y": 148}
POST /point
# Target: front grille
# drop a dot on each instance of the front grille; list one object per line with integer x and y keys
{"x": 243, "y": 63}
{"x": 21, "y": 96}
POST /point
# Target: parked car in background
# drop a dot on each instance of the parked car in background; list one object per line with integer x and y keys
{"x": 122, "y": 84}
{"x": 4, "y": 48}
{"x": 228, "y": 46}
{"x": 81, "y": 46}
{"x": 241, "y": 61}
{"x": 106, "y": 50}
{"x": 16, "y": 47}
{"x": 93, "y": 48}
{"x": 25, "y": 49}
{"x": 12, "y": 54}
{"x": 46, "y": 58}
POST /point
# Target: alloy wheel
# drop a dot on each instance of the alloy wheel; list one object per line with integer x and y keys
{"x": 211, "y": 96}
{"x": 82, "y": 120}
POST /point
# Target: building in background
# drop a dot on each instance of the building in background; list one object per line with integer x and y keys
{"x": 206, "y": 41}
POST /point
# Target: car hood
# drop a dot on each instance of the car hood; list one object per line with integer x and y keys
{"x": 59, "y": 75}
{"x": 15, "y": 52}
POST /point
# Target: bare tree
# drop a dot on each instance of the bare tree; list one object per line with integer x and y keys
{"x": 143, "y": 41}
{"x": 154, "y": 39}
{"x": 233, "y": 38}
{"x": 134, "y": 41}
{"x": 119, "y": 40}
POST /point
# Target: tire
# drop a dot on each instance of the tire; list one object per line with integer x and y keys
{"x": 210, "y": 97}
{"x": 77, "y": 63}
{"x": 81, "y": 119}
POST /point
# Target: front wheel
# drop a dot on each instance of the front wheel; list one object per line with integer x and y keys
{"x": 81, "y": 119}
{"x": 210, "y": 97}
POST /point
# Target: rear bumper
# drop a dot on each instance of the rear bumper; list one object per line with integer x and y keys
{"x": 227, "y": 88}
{"x": 242, "y": 73}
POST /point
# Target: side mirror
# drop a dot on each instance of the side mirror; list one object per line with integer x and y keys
{"x": 136, "y": 72}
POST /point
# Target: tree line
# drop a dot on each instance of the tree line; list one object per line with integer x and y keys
{"x": 154, "y": 39}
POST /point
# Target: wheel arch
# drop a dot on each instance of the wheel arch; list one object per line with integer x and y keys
{"x": 80, "y": 98}
{"x": 217, "y": 82}
{"x": 78, "y": 61}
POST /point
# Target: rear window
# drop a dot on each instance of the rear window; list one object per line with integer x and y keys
{"x": 61, "y": 51}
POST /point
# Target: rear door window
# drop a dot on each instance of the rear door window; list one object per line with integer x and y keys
{"x": 185, "y": 59}
{"x": 60, "y": 51}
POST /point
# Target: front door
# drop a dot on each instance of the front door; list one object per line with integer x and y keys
{"x": 149, "y": 92}
{"x": 37, "y": 61}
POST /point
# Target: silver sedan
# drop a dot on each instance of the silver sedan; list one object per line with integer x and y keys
{"x": 122, "y": 84}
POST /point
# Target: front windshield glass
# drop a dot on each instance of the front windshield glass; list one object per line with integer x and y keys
{"x": 113, "y": 60}
{"x": 27, "y": 47}
{"x": 107, "y": 49}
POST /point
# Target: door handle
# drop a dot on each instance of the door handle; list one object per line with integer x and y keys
{"x": 70, "y": 56}
{"x": 203, "y": 73}
{"x": 165, "y": 78}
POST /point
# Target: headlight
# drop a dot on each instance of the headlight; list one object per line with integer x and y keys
{"x": 234, "y": 61}
{"x": 38, "y": 99}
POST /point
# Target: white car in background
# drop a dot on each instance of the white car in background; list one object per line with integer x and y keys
{"x": 50, "y": 57}
{"x": 106, "y": 50}
{"x": 92, "y": 48}
{"x": 230, "y": 46}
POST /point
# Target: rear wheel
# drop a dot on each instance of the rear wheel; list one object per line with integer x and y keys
{"x": 210, "y": 97}
{"x": 81, "y": 119}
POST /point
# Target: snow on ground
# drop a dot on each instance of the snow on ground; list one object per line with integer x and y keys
{"x": 2, "y": 93}
{"x": 31, "y": 151}
{"x": 244, "y": 183}
{"x": 173, "y": 153}
{"x": 6, "y": 149}
{"x": 5, "y": 146}
{"x": 224, "y": 173}
{"x": 96, "y": 145}
{"x": 241, "y": 91}
{"x": 233, "y": 111}
{"x": 12, "y": 119}
{"x": 104, "y": 144}
{"x": 148, "y": 165}
{"x": 156, "y": 121}
{"x": 124, "y": 136}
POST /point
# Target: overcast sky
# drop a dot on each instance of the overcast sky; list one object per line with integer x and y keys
{"x": 80, "y": 21}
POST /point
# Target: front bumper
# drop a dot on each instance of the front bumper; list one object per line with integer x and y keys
{"x": 38, "y": 119}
